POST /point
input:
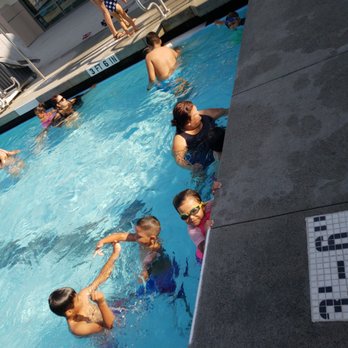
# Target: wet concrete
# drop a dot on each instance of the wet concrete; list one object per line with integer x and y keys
{"x": 284, "y": 158}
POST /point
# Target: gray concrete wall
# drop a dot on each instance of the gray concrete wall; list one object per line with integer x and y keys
{"x": 284, "y": 159}
{"x": 20, "y": 22}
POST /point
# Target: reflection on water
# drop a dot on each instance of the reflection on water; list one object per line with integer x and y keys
{"x": 76, "y": 243}
{"x": 129, "y": 215}
{"x": 8, "y": 182}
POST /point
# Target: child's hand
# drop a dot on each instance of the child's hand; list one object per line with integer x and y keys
{"x": 216, "y": 186}
{"x": 97, "y": 297}
{"x": 98, "y": 249}
{"x": 208, "y": 224}
{"x": 143, "y": 277}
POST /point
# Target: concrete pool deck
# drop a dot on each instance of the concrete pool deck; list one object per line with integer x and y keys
{"x": 65, "y": 60}
{"x": 284, "y": 159}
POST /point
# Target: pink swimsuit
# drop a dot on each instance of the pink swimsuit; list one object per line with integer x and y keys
{"x": 48, "y": 121}
{"x": 198, "y": 233}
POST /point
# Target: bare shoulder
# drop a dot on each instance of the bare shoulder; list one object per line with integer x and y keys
{"x": 85, "y": 292}
{"x": 149, "y": 56}
{"x": 179, "y": 142}
{"x": 84, "y": 327}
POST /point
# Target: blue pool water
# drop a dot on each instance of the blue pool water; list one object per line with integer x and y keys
{"x": 99, "y": 176}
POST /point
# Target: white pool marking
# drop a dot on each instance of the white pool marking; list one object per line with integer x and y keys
{"x": 327, "y": 240}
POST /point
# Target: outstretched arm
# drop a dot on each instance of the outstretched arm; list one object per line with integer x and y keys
{"x": 214, "y": 112}
{"x": 219, "y": 22}
{"x": 107, "y": 269}
{"x": 11, "y": 153}
{"x": 114, "y": 238}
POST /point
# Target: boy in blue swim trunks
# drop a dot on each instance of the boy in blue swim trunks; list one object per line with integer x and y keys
{"x": 158, "y": 270}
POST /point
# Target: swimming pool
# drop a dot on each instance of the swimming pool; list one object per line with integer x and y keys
{"x": 99, "y": 176}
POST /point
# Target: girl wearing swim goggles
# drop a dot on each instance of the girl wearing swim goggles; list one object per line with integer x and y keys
{"x": 196, "y": 214}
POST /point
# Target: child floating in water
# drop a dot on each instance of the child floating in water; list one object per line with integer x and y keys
{"x": 158, "y": 271}
{"x": 66, "y": 107}
{"x": 83, "y": 317}
{"x": 197, "y": 215}
{"x": 232, "y": 21}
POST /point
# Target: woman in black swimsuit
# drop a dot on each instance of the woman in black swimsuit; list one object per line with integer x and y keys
{"x": 190, "y": 147}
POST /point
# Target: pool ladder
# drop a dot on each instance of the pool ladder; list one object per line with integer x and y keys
{"x": 153, "y": 4}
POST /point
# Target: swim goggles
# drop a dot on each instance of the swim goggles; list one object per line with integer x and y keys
{"x": 193, "y": 211}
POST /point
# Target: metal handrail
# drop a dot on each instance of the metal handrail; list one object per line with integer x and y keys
{"x": 153, "y": 4}
{"x": 23, "y": 56}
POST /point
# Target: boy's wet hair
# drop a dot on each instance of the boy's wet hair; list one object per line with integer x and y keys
{"x": 181, "y": 114}
{"x": 149, "y": 224}
{"x": 183, "y": 195}
{"x": 40, "y": 109}
{"x": 61, "y": 300}
{"x": 152, "y": 38}
{"x": 215, "y": 138}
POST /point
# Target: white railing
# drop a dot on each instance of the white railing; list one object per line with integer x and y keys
{"x": 153, "y": 4}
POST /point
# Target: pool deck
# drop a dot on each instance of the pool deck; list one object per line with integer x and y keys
{"x": 284, "y": 159}
{"x": 65, "y": 59}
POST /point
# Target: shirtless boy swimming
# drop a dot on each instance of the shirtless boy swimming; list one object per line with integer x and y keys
{"x": 84, "y": 317}
{"x": 161, "y": 61}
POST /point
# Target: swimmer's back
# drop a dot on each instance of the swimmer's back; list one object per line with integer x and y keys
{"x": 164, "y": 61}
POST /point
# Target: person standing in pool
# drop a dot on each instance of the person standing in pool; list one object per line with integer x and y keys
{"x": 83, "y": 317}
{"x": 66, "y": 107}
{"x": 191, "y": 149}
{"x": 161, "y": 61}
